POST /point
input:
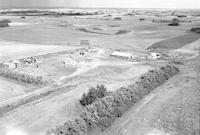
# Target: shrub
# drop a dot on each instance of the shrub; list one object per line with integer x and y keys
{"x": 23, "y": 77}
{"x": 117, "y": 18}
{"x": 103, "y": 112}
{"x": 180, "y": 16}
{"x": 76, "y": 126}
{"x": 175, "y": 22}
{"x": 177, "y": 62}
{"x": 4, "y": 23}
{"x": 90, "y": 119}
{"x": 195, "y": 29}
{"x": 93, "y": 94}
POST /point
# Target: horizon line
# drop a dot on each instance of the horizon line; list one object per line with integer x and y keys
{"x": 13, "y": 7}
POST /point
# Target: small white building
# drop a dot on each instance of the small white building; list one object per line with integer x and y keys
{"x": 123, "y": 54}
{"x": 11, "y": 64}
{"x": 154, "y": 56}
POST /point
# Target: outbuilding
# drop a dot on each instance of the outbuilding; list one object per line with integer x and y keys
{"x": 127, "y": 55}
{"x": 154, "y": 56}
{"x": 84, "y": 42}
{"x": 11, "y": 64}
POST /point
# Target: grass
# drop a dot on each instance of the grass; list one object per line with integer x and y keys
{"x": 175, "y": 43}
{"x": 102, "y": 112}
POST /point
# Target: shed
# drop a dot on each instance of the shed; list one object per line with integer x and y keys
{"x": 123, "y": 54}
{"x": 84, "y": 42}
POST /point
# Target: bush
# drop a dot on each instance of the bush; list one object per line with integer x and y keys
{"x": 90, "y": 119}
{"x": 141, "y": 19}
{"x": 180, "y": 16}
{"x": 93, "y": 94}
{"x": 76, "y": 126}
{"x": 23, "y": 77}
{"x": 4, "y": 23}
{"x": 195, "y": 29}
{"x": 101, "y": 111}
{"x": 175, "y": 22}
{"x": 117, "y": 18}
{"x": 177, "y": 62}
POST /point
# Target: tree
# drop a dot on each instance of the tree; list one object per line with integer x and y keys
{"x": 93, "y": 94}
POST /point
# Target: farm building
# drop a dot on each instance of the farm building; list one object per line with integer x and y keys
{"x": 12, "y": 64}
{"x": 154, "y": 56}
{"x": 84, "y": 42}
{"x": 123, "y": 54}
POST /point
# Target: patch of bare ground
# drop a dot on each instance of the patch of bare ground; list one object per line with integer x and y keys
{"x": 171, "y": 109}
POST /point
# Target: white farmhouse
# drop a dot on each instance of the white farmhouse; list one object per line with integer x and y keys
{"x": 154, "y": 56}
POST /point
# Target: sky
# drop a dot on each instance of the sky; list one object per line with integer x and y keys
{"x": 103, "y": 3}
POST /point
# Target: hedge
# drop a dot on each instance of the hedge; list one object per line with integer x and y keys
{"x": 23, "y": 77}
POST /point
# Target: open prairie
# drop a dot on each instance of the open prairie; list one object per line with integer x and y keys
{"x": 49, "y": 59}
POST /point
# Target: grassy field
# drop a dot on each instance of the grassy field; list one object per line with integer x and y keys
{"x": 177, "y": 42}
{"x": 154, "y": 114}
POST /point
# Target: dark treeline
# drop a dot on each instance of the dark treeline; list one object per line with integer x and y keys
{"x": 93, "y": 94}
{"x": 23, "y": 77}
{"x": 100, "y": 112}
{"x": 5, "y": 23}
